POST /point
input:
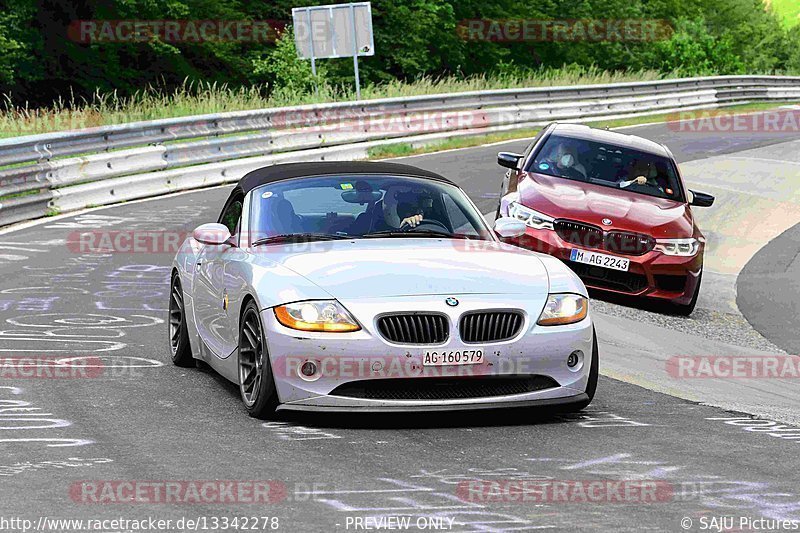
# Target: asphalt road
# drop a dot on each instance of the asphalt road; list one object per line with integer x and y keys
{"x": 768, "y": 289}
{"x": 129, "y": 416}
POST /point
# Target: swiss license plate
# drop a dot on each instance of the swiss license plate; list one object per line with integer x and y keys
{"x": 601, "y": 260}
{"x": 452, "y": 357}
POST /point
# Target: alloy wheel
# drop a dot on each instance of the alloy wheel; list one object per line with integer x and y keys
{"x": 251, "y": 357}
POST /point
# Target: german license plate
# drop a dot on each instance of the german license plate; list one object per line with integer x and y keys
{"x": 600, "y": 260}
{"x": 452, "y": 357}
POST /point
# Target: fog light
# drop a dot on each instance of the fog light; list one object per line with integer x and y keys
{"x": 308, "y": 369}
{"x": 574, "y": 358}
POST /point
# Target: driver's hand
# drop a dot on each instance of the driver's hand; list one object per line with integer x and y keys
{"x": 412, "y": 221}
{"x": 640, "y": 180}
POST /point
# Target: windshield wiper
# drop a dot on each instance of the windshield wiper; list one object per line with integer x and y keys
{"x": 421, "y": 233}
{"x": 564, "y": 176}
{"x": 300, "y": 237}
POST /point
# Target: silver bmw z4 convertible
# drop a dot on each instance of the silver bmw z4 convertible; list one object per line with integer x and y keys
{"x": 365, "y": 286}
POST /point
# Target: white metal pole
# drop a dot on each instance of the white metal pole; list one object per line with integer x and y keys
{"x": 310, "y": 30}
{"x": 355, "y": 50}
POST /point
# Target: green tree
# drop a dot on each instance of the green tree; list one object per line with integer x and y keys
{"x": 41, "y": 62}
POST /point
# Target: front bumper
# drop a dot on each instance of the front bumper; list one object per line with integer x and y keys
{"x": 496, "y": 404}
{"x": 363, "y": 356}
{"x": 652, "y": 275}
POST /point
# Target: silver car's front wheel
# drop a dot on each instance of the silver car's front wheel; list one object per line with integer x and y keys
{"x": 178, "y": 333}
{"x": 255, "y": 376}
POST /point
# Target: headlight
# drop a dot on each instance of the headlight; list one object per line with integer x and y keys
{"x": 563, "y": 309}
{"x": 531, "y": 218}
{"x": 680, "y": 247}
{"x": 316, "y": 315}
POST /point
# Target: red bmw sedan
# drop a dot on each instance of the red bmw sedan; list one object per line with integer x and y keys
{"x": 613, "y": 207}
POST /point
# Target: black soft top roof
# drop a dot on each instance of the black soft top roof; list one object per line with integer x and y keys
{"x": 272, "y": 173}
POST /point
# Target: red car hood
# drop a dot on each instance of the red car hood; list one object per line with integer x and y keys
{"x": 589, "y": 203}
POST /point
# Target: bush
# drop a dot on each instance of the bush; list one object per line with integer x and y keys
{"x": 694, "y": 51}
{"x": 291, "y": 76}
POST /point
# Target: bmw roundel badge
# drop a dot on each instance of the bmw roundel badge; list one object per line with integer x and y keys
{"x": 452, "y": 302}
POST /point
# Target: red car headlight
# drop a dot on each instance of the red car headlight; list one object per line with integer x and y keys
{"x": 531, "y": 218}
{"x": 678, "y": 247}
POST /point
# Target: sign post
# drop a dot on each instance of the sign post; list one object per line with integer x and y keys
{"x": 313, "y": 58}
{"x": 333, "y": 31}
{"x": 355, "y": 51}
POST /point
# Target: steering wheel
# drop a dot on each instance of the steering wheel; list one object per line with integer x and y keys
{"x": 424, "y": 221}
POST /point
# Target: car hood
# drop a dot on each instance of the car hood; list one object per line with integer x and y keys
{"x": 590, "y": 203}
{"x": 380, "y": 268}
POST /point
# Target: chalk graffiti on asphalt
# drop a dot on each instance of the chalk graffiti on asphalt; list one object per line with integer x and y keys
{"x": 709, "y": 490}
{"x": 21, "y": 417}
{"x": 71, "y": 462}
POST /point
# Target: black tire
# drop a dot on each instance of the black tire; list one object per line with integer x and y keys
{"x": 256, "y": 384}
{"x": 591, "y": 386}
{"x": 178, "y": 333}
{"x": 688, "y": 309}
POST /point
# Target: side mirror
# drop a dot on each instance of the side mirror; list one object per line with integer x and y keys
{"x": 508, "y": 159}
{"x": 700, "y": 199}
{"x": 508, "y": 227}
{"x": 213, "y": 234}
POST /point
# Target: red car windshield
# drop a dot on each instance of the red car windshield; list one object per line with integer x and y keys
{"x": 608, "y": 165}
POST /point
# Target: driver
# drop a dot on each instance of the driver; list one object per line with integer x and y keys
{"x": 402, "y": 207}
{"x": 565, "y": 158}
{"x": 641, "y": 173}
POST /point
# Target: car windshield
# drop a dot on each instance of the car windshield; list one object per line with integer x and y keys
{"x": 608, "y": 165}
{"x": 361, "y": 206}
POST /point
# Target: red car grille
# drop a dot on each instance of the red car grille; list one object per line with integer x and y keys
{"x": 579, "y": 234}
{"x": 588, "y": 236}
{"x": 628, "y": 243}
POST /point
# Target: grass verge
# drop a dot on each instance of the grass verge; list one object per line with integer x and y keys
{"x": 197, "y": 99}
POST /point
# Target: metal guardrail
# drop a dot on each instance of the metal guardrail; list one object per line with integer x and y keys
{"x": 63, "y": 171}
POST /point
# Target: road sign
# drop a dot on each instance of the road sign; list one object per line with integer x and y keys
{"x": 341, "y": 30}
